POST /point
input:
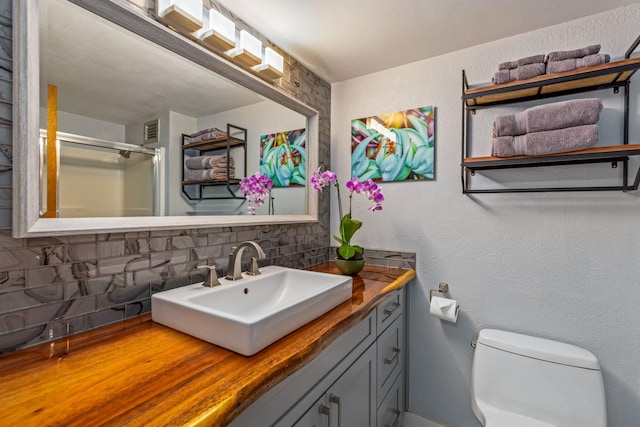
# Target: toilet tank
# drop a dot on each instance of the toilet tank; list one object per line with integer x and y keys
{"x": 549, "y": 381}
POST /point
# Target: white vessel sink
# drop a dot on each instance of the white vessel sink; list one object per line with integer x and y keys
{"x": 247, "y": 315}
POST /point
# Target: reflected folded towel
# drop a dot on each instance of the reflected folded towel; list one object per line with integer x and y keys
{"x": 558, "y": 115}
{"x": 203, "y": 131}
{"x": 520, "y": 73}
{"x": 206, "y": 135}
{"x": 575, "y": 63}
{"x": 520, "y": 62}
{"x": 547, "y": 142}
{"x": 576, "y": 53}
{"x": 208, "y": 174}
{"x": 207, "y": 162}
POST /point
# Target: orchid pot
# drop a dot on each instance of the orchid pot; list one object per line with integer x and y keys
{"x": 350, "y": 267}
{"x": 348, "y": 225}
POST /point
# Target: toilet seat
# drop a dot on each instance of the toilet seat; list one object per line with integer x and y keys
{"x": 511, "y": 419}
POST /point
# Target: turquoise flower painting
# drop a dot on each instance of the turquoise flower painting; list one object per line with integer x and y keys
{"x": 283, "y": 157}
{"x": 397, "y": 146}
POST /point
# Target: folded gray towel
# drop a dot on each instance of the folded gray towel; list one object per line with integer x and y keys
{"x": 503, "y": 76}
{"x": 558, "y": 115}
{"x": 208, "y": 174}
{"x": 520, "y": 73}
{"x": 546, "y": 142}
{"x": 520, "y": 62}
{"x": 576, "y": 53}
{"x": 575, "y": 63}
{"x": 207, "y": 162}
{"x": 529, "y": 71}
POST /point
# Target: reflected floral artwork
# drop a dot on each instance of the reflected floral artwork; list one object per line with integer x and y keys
{"x": 397, "y": 146}
{"x": 283, "y": 157}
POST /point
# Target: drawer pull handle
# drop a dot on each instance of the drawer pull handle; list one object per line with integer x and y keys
{"x": 397, "y": 413}
{"x": 325, "y": 410}
{"x": 396, "y": 351}
{"x": 395, "y": 307}
{"x": 335, "y": 399}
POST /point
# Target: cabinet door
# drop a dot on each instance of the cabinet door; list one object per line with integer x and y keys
{"x": 316, "y": 416}
{"x": 390, "y": 411}
{"x": 352, "y": 397}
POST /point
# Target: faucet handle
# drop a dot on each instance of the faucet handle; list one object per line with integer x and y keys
{"x": 212, "y": 276}
{"x": 253, "y": 268}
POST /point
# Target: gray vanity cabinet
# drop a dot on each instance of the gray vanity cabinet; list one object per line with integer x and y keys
{"x": 349, "y": 401}
{"x": 358, "y": 380}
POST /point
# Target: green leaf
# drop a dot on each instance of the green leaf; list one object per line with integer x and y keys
{"x": 346, "y": 251}
{"x": 423, "y": 161}
{"x": 359, "y": 160}
{"x": 403, "y": 174}
{"x": 297, "y": 179}
{"x": 349, "y": 227}
{"x": 420, "y": 126}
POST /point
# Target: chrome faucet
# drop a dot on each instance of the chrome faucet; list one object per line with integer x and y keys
{"x": 234, "y": 269}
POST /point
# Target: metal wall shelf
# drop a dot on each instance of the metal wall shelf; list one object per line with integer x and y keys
{"x": 614, "y": 75}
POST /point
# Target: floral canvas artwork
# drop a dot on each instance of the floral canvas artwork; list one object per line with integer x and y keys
{"x": 283, "y": 157}
{"x": 397, "y": 146}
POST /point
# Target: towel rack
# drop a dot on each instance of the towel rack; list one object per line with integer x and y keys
{"x": 195, "y": 190}
{"x": 614, "y": 75}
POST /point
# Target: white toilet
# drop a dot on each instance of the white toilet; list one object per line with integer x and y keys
{"x": 523, "y": 381}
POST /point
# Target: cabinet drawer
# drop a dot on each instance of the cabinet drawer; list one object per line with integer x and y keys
{"x": 391, "y": 410}
{"x": 390, "y": 356}
{"x": 390, "y": 309}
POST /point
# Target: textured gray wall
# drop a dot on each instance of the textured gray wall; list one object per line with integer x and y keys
{"x": 51, "y": 287}
{"x": 563, "y": 266}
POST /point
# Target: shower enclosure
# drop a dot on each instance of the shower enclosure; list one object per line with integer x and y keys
{"x": 97, "y": 178}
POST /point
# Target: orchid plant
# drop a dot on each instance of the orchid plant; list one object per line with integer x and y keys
{"x": 348, "y": 225}
{"x": 256, "y": 189}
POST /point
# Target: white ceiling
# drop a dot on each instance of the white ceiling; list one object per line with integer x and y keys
{"x": 104, "y": 72}
{"x": 342, "y": 39}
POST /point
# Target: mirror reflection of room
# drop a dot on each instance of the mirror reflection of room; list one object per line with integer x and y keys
{"x": 121, "y": 94}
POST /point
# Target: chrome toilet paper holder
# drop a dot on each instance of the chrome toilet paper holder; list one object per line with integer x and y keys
{"x": 443, "y": 288}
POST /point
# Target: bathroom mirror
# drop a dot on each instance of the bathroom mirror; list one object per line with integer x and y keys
{"x": 115, "y": 72}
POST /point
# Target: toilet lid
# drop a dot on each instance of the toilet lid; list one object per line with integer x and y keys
{"x": 511, "y": 419}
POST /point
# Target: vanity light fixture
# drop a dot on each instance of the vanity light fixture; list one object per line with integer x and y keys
{"x": 248, "y": 50}
{"x": 218, "y": 33}
{"x": 272, "y": 66}
{"x": 184, "y": 15}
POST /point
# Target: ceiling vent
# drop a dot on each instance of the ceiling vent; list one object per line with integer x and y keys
{"x": 151, "y": 131}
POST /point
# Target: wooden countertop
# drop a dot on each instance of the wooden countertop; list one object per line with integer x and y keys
{"x": 141, "y": 373}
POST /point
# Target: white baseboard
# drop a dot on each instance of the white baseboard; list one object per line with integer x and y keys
{"x": 412, "y": 420}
